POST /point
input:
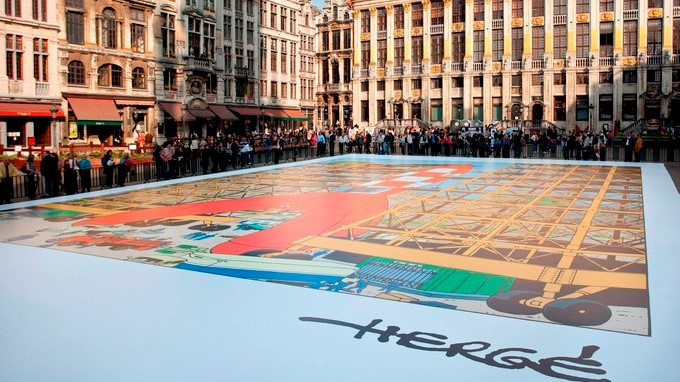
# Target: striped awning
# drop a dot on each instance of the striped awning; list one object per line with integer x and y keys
{"x": 95, "y": 111}
{"x": 27, "y": 109}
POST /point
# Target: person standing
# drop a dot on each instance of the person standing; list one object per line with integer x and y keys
{"x": 637, "y": 148}
{"x": 108, "y": 164}
{"x": 46, "y": 168}
{"x": 32, "y": 177}
{"x": 124, "y": 166}
{"x": 628, "y": 144}
{"x": 7, "y": 172}
{"x": 70, "y": 175}
{"x": 84, "y": 170}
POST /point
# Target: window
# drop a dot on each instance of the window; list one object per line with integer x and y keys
{"x": 457, "y": 82}
{"x": 653, "y": 76}
{"x": 110, "y": 75}
{"x": 336, "y": 40}
{"x": 382, "y": 53}
{"x": 364, "y": 111}
{"x": 76, "y": 73}
{"x": 582, "y": 40}
{"x": 75, "y": 29}
{"x": 284, "y": 21}
{"x": 416, "y": 84}
{"x": 284, "y": 90}
{"x": 209, "y": 5}
{"x": 537, "y": 79}
{"x": 630, "y": 37}
{"x": 436, "y": 83}
{"x": 582, "y": 110}
{"x": 436, "y": 114}
{"x": 437, "y": 44}
{"x": 238, "y": 31}
{"x": 209, "y": 40}
{"x": 606, "y": 5}
{"x": 583, "y": 6}
{"x": 15, "y": 57}
{"x": 676, "y": 35}
{"x": 364, "y": 86}
{"x": 324, "y": 41}
{"x": 582, "y": 78}
{"x": 13, "y": 8}
{"x": 137, "y": 30}
{"x": 324, "y": 71}
{"x": 398, "y": 52}
{"x": 109, "y": 30}
{"x": 194, "y": 37}
{"x": 478, "y": 109}
{"x": 380, "y": 109}
{"x": 630, "y": 76}
{"x": 398, "y": 17}
{"x": 284, "y": 62}
{"x": 458, "y": 11}
{"x": 398, "y": 85}
{"x": 382, "y": 19}
{"x": 227, "y": 58}
{"x": 497, "y": 81}
{"x": 416, "y": 50}
{"x": 497, "y": 108}
{"x": 40, "y": 55}
{"x": 347, "y": 39}
{"x": 478, "y": 81}
{"x": 138, "y": 78}
{"x": 497, "y": 45}
{"x": 517, "y": 9}
{"x": 274, "y": 90}
{"x": 560, "y": 78}
{"x": 606, "y": 78}
{"x": 560, "y": 7}
{"x": 238, "y": 52}
{"x": 272, "y": 17}
{"x": 517, "y": 44}
{"x": 478, "y": 46}
{"x": 537, "y": 8}
{"x": 654, "y": 37}
{"x": 560, "y": 41}
{"x": 347, "y": 76}
{"x": 630, "y": 5}
{"x": 365, "y": 54}
{"x": 417, "y": 15}
{"x": 170, "y": 80}
{"x": 629, "y": 107}
{"x": 293, "y": 26}
{"x": 168, "y": 34}
{"x": 380, "y": 86}
{"x": 437, "y": 13}
{"x": 263, "y": 16}
{"x": 478, "y": 10}
{"x": 458, "y": 47}
{"x": 251, "y": 60}
{"x": 560, "y": 109}
{"x": 497, "y": 9}
{"x": 365, "y": 22}
{"x": 250, "y": 32}
{"x": 249, "y": 7}
{"x": 227, "y": 27}
{"x": 655, "y": 3}
{"x": 40, "y": 10}
{"x": 606, "y": 107}
{"x": 537, "y": 43}
{"x": 516, "y": 80}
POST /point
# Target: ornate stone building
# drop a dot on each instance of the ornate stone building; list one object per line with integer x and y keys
{"x": 29, "y": 90}
{"x": 586, "y": 63}
{"x": 334, "y": 64}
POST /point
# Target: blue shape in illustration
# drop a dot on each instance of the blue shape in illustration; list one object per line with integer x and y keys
{"x": 198, "y": 236}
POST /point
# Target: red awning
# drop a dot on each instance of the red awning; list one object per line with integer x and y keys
{"x": 245, "y": 110}
{"x": 172, "y": 108}
{"x": 94, "y": 109}
{"x": 22, "y": 109}
{"x": 202, "y": 113}
{"x": 223, "y": 113}
{"x": 135, "y": 102}
{"x": 296, "y": 114}
{"x": 275, "y": 113}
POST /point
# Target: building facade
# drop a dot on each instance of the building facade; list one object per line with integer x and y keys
{"x": 30, "y": 111}
{"x": 334, "y": 63}
{"x": 308, "y": 65}
{"x": 575, "y": 63}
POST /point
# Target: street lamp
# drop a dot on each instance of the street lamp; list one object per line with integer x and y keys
{"x": 55, "y": 139}
{"x": 590, "y": 117}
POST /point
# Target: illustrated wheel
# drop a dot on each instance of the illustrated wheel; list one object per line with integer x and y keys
{"x": 577, "y": 312}
{"x": 510, "y": 302}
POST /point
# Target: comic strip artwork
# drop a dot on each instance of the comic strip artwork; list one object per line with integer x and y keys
{"x": 555, "y": 243}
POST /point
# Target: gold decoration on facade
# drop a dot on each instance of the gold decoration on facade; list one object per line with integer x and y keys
{"x": 373, "y": 11}
{"x": 357, "y": 13}
{"x": 458, "y": 27}
{"x": 469, "y": 1}
{"x": 415, "y": 93}
{"x": 390, "y": 9}
{"x": 426, "y": 4}
{"x": 537, "y": 21}
{"x": 335, "y": 26}
{"x": 496, "y": 66}
{"x": 478, "y": 25}
{"x": 407, "y": 7}
{"x": 365, "y": 36}
{"x": 606, "y": 16}
{"x": 583, "y": 17}
{"x": 435, "y": 69}
{"x": 629, "y": 61}
{"x": 398, "y": 33}
{"x": 397, "y": 94}
{"x": 380, "y": 72}
{"x": 447, "y": 3}
{"x": 558, "y": 64}
{"x": 417, "y": 31}
{"x": 654, "y": 13}
{"x": 517, "y": 22}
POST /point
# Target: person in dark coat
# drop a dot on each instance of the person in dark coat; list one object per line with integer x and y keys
{"x": 108, "y": 164}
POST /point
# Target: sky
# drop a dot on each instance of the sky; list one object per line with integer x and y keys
{"x": 318, "y": 3}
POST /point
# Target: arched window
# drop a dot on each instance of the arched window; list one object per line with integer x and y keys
{"x": 76, "y": 73}
{"x": 306, "y": 20}
{"x": 325, "y": 18}
{"x": 109, "y": 29}
{"x": 335, "y": 12}
{"x": 346, "y": 15}
{"x": 110, "y": 75}
{"x": 138, "y": 78}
